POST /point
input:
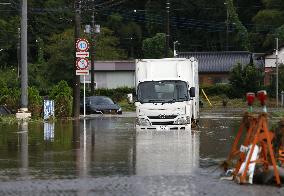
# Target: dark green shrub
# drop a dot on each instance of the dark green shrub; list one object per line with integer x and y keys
{"x": 35, "y": 101}
{"x": 246, "y": 78}
{"x": 62, "y": 96}
{"x": 10, "y": 93}
{"x": 219, "y": 89}
{"x": 11, "y": 99}
{"x": 3, "y": 88}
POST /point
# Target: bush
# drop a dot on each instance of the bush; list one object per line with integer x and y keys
{"x": 10, "y": 93}
{"x": 11, "y": 98}
{"x": 246, "y": 78}
{"x": 62, "y": 96}
{"x": 35, "y": 101}
{"x": 219, "y": 89}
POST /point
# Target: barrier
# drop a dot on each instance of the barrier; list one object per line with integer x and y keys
{"x": 256, "y": 147}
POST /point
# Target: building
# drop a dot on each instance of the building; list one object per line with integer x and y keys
{"x": 270, "y": 63}
{"x": 113, "y": 74}
{"x": 214, "y": 67}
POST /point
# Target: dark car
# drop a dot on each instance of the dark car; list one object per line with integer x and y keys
{"x": 99, "y": 105}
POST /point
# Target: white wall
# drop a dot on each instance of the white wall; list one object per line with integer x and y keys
{"x": 114, "y": 79}
{"x": 270, "y": 59}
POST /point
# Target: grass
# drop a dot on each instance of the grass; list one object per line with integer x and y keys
{"x": 11, "y": 119}
{"x": 278, "y": 114}
{"x": 8, "y": 119}
{"x": 217, "y": 102}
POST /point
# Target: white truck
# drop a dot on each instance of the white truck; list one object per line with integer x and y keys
{"x": 167, "y": 93}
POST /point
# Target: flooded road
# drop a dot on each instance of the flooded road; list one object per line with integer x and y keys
{"x": 106, "y": 156}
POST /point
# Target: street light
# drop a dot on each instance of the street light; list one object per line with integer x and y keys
{"x": 5, "y": 3}
{"x": 175, "y": 52}
{"x": 167, "y": 28}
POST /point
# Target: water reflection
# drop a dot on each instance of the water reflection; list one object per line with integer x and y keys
{"x": 216, "y": 137}
{"x": 23, "y": 142}
{"x": 112, "y": 145}
{"x": 108, "y": 146}
{"x": 166, "y": 152}
{"x": 48, "y": 131}
{"x": 84, "y": 152}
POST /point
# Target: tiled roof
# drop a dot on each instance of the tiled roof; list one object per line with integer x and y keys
{"x": 217, "y": 61}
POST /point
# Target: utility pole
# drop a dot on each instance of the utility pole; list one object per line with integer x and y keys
{"x": 227, "y": 27}
{"x": 276, "y": 63}
{"x": 24, "y": 58}
{"x": 19, "y": 52}
{"x": 76, "y": 82}
{"x": 167, "y": 29}
{"x": 93, "y": 53}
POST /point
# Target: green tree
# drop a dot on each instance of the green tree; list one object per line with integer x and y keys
{"x": 153, "y": 17}
{"x": 60, "y": 57}
{"x": 107, "y": 46}
{"x": 8, "y": 42}
{"x": 268, "y": 22}
{"x": 115, "y": 22}
{"x": 243, "y": 36}
{"x": 154, "y": 47}
{"x": 131, "y": 35}
{"x": 246, "y": 78}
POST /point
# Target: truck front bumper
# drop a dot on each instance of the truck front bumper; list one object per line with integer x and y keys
{"x": 164, "y": 127}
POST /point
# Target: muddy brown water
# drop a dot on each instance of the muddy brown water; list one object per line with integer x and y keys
{"x": 105, "y": 155}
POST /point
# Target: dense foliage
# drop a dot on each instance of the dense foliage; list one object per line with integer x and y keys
{"x": 62, "y": 95}
{"x": 246, "y": 78}
{"x": 129, "y": 29}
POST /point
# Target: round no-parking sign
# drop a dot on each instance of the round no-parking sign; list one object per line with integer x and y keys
{"x": 82, "y": 63}
{"x": 82, "y": 45}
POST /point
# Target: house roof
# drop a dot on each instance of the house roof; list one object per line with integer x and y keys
{"x": 207, "y": 61}
{"x": 218, "y": 61}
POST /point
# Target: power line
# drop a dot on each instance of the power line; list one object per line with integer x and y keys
{"x": 189, "y": 23}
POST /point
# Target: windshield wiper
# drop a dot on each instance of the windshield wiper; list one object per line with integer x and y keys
{"x": 183, "y": 99}
{"x": 155, "y": 100}
{"x": 171, "y": 101}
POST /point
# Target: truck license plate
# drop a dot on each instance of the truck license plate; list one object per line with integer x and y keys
{"x": 163, "y": 128}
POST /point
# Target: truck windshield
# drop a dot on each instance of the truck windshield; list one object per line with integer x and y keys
{"x": 162, "y": 91}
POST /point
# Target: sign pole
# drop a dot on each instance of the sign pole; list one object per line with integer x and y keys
{"x": 84, "y": 96}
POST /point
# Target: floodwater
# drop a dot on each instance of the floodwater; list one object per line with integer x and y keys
{"x": 105, "y": 155}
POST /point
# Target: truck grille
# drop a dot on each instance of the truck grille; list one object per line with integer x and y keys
{"x": 163, "y": 117}
{"x": 163, "y": 123}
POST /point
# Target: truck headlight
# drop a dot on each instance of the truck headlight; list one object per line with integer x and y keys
{"x": 143, "y": 122}
{"x": 180, "y": 121}
{"x": 188, "y": 119}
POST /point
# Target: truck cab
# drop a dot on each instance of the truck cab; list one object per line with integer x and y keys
{"x": 166, "y": 94}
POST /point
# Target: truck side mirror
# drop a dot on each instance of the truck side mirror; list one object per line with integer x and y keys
{"x": 192, "y": 92}
{"x": 130, "y": 98}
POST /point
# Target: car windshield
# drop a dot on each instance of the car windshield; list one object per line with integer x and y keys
{"x": 162, "y": 91}
{"x": 100, "y": 101}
